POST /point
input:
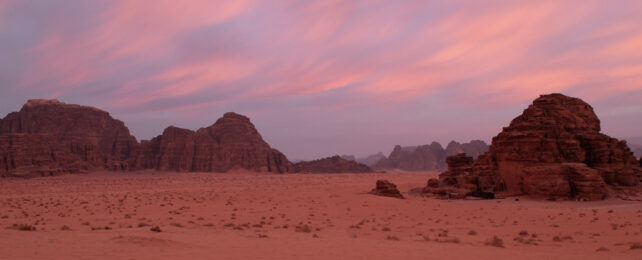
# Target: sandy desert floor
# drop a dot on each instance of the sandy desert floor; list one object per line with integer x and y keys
{"x": 266, "y": 216}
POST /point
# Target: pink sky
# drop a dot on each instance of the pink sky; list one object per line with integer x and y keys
{"x": 326, "y": 77}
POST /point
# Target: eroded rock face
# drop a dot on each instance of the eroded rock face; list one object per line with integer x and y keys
{"x": 554, "y": 150}
{"x": 386, "y": 189}
{"x": 231, "y": 142}
{"x": 36, "y": 155}
{"x": 92, "y": 134}
{"x": 428, "y": 157}
{"x": 48, "y": 137}
{"x": 334, "y": 164}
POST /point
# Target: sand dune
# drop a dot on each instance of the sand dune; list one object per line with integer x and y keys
{"x": 294, "y": 216}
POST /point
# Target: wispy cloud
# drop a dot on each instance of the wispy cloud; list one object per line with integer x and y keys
{"x": 190, "y": 61}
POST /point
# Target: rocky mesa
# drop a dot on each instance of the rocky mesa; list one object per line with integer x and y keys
{"x": 49, "y": 137}
{"x": 50, "y": 134}
{"x": 553, "y": 150}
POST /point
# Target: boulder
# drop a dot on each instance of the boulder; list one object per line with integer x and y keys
{"x": 386, "y": 189}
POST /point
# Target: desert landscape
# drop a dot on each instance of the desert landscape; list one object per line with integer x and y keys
{"x": 241, "y": 215}
{"x": 242, "y": 129}
{"x": 76, "y": 184}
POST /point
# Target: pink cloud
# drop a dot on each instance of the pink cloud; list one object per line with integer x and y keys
{"x": 321, "y": 56}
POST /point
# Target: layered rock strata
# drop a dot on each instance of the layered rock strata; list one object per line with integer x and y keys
{"x": 48, "y": 137}
{"x": 553, "y": 150}
{"x": 91, "y": 134}
{"x": 232, "y": 142}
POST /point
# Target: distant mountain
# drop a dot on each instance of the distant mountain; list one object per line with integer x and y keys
{"x": 334, "y": 164}
{"x": 430, "y": 157}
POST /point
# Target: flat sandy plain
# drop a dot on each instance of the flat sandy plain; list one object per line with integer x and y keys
{"x": 296, "y": 216}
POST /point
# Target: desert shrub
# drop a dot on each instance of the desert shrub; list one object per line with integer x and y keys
{"x": 496, "y": 242}
{"x": 155, "y": 229}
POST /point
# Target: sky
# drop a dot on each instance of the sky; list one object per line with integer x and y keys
{"x": 319, "y": 78}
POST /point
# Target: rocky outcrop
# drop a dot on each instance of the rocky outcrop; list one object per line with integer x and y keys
{"x": 428, "y": 157}
{"x": 553, "y": 150}
{"x": 90, "y": 133}
{"x": 334, "y": 164}
{"x": 371, "y": 160}
{"x": 232, "y": 142}
{"x": 48, "y": 137}
{"x": 386, "y": 189}
{"x": 35, "y": 155}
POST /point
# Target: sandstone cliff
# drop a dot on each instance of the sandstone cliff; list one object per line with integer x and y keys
{"x": 48, "y": 137}
{"x": 231, "y": 142}
{"x": 89, "y": 133}
{"x": 35, "y": 155}
{"x": 553, "y": 150}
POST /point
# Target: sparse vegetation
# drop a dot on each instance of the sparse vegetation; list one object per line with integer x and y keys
{"x": 393, "y": 238}
{"x": 155, "y": 229}
{"x": 23, "y": 227}
{"x": 496, "y": 242}
{"x": 303, "y": 229}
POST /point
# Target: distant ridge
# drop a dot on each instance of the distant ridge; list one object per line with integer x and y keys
{"x": 430, "y": 157}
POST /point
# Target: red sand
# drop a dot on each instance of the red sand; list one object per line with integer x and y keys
{"x": 270, "y": 216}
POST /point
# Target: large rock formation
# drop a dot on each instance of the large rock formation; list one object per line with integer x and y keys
{"x": 48, "y": 137}
{"x": 553, "y": 150}
{"x": 334, "y": 164}
{"x": 35, "y": 155}
{"x": 428, "y": 157}
{"x": 231, "y": 142}
{"x": 91, "y": 134}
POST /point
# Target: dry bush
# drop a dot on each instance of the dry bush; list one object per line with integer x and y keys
{"x": 496, "y": 242}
